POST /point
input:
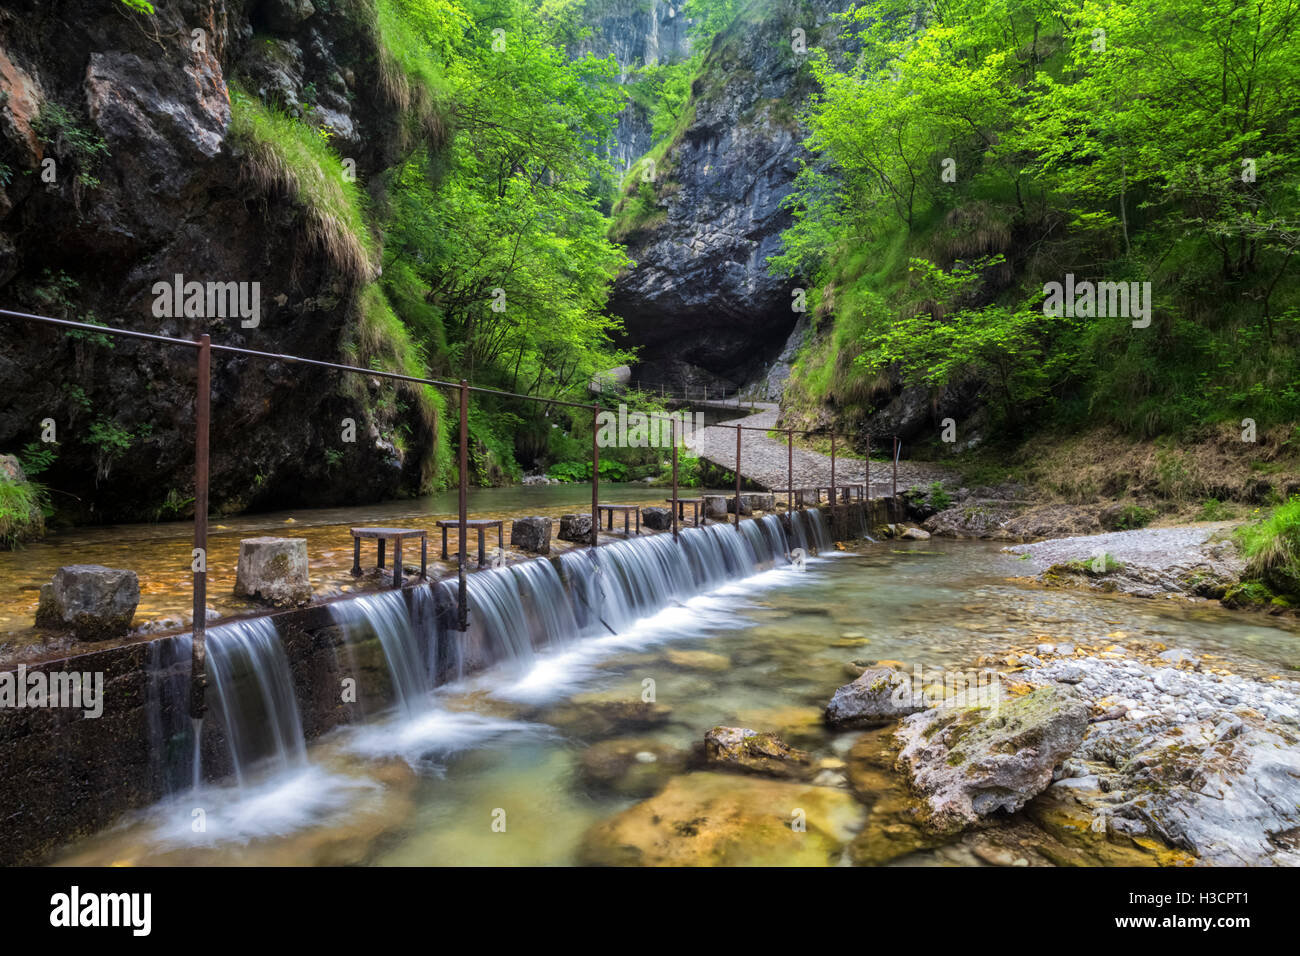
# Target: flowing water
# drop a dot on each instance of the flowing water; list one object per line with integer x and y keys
{"x": 511, "y": 765}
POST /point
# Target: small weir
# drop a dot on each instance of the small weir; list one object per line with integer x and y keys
{"x": 516, "y": 613}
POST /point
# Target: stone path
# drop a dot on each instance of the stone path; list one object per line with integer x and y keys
{"x": 765, "y": 461}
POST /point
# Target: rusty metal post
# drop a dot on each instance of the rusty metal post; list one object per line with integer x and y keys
{"x": 462, "y": 605}
{"x": 198, "y": 644}
{"x": 739, "y": 431}
{"x": 895, "y": 466}
{"x": 789, "y": 464}
{"x": 673, "y": 428}
{"x": 595, "y": 478}
{"x": 832, "y": 469}
{"x": 867, "y": 477}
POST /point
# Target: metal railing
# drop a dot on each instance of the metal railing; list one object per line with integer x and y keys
{"x": 204, "y": 347}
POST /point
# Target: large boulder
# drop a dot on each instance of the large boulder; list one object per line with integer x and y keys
{"x": 742, "y": 502}
{"x": 273, "y": 570}
{"x": 95, "y": 603}
{"x": 531, "y": 534}
{"x": 715, "y": 506}
{"x": 748, "y": 751}
{"x": 971, "y": 761}
{"x": 879, "y": 695}
{"x": 657, "y": 519}
{"x": 575, "y": 527}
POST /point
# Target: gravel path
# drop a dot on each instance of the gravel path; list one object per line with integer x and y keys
{"x": 1154, "y": 547}
{"x": 766, "y": 462}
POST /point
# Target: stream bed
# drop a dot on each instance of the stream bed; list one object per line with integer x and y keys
{"x": 547, "y": 761}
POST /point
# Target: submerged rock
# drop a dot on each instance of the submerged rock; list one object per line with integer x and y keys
{"x": 629, "y": 767}
{"x": 748, "y": 751}
{"x": 879, "y": 695}
{"x": 720, "y": 819}
{"x": 970, "y": 762}
{"x": 94, "y": 602}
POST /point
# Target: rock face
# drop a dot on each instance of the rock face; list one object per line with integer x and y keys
{"x": 94, "y": 602}
{"x": 1205, "y": 761}
{"x": 532, "y": 534}
{"x": 701, "y": 302}
{"x": 878, "y": 696}
{"x": 748, "y": 751}
{"x": 657, "y": 519}
{"x": 273, "y": 570}
{"x": 970, "y": 762}
{"x": 575, "y": 527}
{"x": 171, "y": 195}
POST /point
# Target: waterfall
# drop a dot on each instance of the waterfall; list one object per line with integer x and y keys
{"x": 405, "y": 634}
{"x": 255, "y": 696}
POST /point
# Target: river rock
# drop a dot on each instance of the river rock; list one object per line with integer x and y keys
{"x": 721, "y": 819}
{"x": 763, "y": 502}
{"x": 575, "y": 527}
{"x": 95, "y": 603}
{"x": 657, "y": 519}
{"x": 743, "y": 502}
{"x": 629, "y": 767}
{"x": 915, "y": 534}
{"x": 969, "y": 762}
{"x": 715, "y": 506}
{"x": 879, "y": 695}
{"x": 748, "y": 751}
{"x": 273, "y": 570}
{"x": 531, "y": 534}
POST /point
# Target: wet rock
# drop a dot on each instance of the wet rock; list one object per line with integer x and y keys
{"x": 531, "y": 534}
{"x": 589, "y": 715}
{"x": 284, "y": 16}
{"x": 969, "y": 762}
{"x": 721, "y": 819}
{"x": 273, "y": 570}
{"x": 714, "y": 506}
{"x": 699, "y": 660}
{"x": 748, "y": 751}
{"x": 1178, "y": 655}
{"x": 879, "y": 695}
{"x": 972, "y": 519}
{"x": 629, "y": 767}
{"x": 915, "y": 534}
{"x": 575, "y": 527}
{"x": 657, "y": 519}
{"x": 95, "y": 603}
{"x": 743, "y": 502}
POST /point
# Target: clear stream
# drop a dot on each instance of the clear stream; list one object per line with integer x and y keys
{"x": 425, "y": 781}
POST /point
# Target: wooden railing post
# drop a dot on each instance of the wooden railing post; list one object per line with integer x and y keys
{"x": 198, "y": 646}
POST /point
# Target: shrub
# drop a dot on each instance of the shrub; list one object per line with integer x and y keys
{"x": 1271, "y": 547}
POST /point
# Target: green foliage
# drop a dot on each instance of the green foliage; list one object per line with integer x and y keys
{"x": 1214, "y": 510}
{"x": 286, "y": 154}
{"x": 581, "y": 471}
{"x": 110, "y": 442}
{"x": 138, "y": 6}
{"x": 959, "y": 166}
{"x": 1271, "y": 547}
{"x": 37, "y": 457}
{"x": 1134, "y": 516}
{"x": 71, "y": 141}
{"x": 22, "y": 507}
{"x": 938, "y": 498}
